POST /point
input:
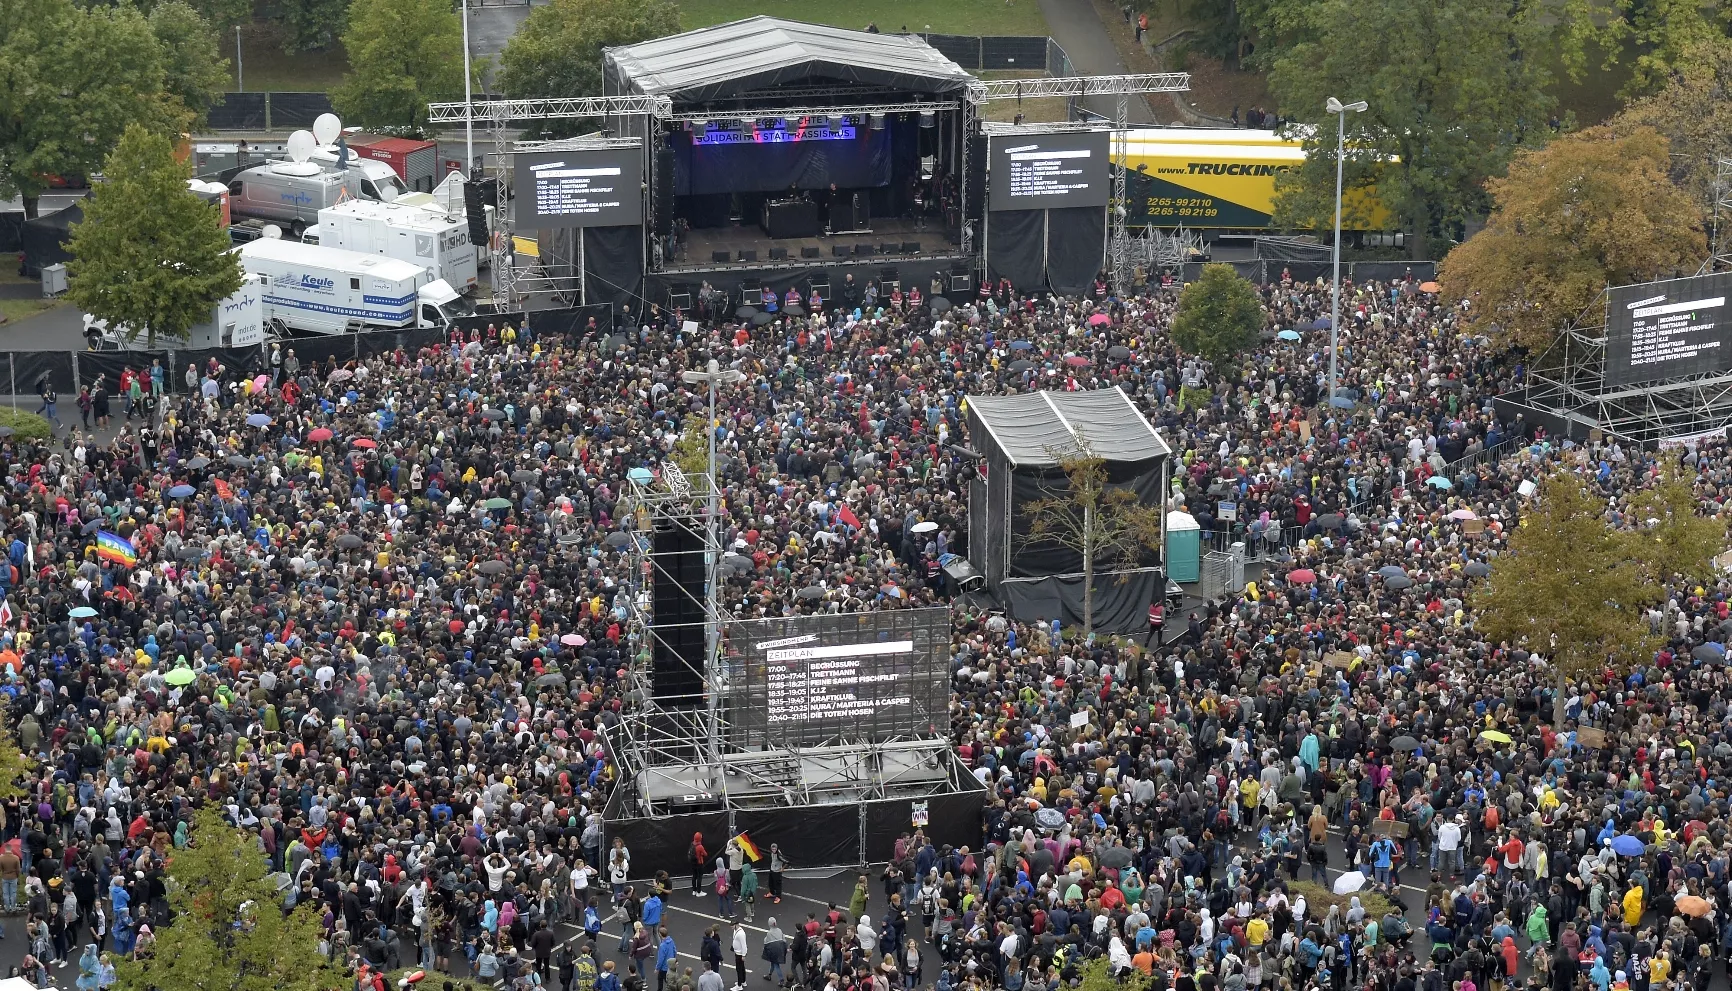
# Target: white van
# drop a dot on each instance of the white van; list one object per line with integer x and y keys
{"x": 291, "y": 193}
{"x": 424, "y": 237}
{"x": 320, "y": 290}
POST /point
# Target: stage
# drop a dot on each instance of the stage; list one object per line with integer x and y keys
{"x": 745, "y": 246}
{"x": 677, "y": 287}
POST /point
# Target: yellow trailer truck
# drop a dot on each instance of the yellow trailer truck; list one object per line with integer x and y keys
{"x": 1207, "y": 177}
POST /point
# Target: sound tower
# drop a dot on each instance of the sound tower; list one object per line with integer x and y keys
{"x": 976, "y": 203}
{"x": 677, "y": 611}
{"x": 663, "y": 202}
{"x": 478, "y": 195}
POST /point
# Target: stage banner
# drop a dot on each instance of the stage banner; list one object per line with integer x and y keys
{"x": 1015, "y": 244}
{"x": 1076, "y": 240}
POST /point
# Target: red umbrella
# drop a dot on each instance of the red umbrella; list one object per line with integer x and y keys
{"x": 1301, "y": 576}
{"x": 318, "y": 434}
{"x": 1099, "y": 319}
{"x": 1078, "y": 361}
{"x": 365, "y": 442}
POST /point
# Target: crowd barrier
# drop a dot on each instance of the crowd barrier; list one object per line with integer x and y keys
{"x": 267, "y": 111}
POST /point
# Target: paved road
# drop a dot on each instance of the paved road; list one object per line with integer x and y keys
{"x": 1077, "y": 29}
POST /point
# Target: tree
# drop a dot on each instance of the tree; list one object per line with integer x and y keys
{"x": 230, "y": 932}
{"x": 1693, "y": 111}
{"x": 1662, "y": 32}
{"x": 1219, "y": 315}
{"x": 309, "y": 25}
{"x": 192, "y": 70}
{"x": 1589, "y": 210}
{"x": 1453, "y": 87}
{"x": 15, "y": 765}
{"x": 1572, "y": 587}
{"x": 557, "y": 51}
{"x": 74, "y": 78}
{"x": 404, "y": 54}
{"x": 1108, "y": 525}
{"x": 150, "y": 257}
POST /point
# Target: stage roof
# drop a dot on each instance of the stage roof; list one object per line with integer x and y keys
{"x": 762, "y": 52}
{"x": 1031, "y": 428}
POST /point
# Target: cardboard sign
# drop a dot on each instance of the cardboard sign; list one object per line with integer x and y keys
{"x": 1305, "y": 430}
{"x": 1389, "y": 827}
{"x": 1526, "y": 488}
{"x": 689, "y": 327}
{"x": 1340, "y": 659}
{"x": 1472, "y": 526}
{"x": 1591, "y": 736}
{"x": 1079, "y": 719}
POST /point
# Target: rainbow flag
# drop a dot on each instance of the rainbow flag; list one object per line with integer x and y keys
{"x": 747, "y": 847}
{"x": 114, "y": 547}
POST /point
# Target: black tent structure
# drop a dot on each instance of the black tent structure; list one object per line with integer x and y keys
{"x": 44, "y": 239}
{"x": 1023, "y": 440}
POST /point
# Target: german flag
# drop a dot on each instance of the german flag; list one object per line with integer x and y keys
{"x": 747, "y": 847}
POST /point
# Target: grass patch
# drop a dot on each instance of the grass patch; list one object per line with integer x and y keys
{"x": 1318, "y": 899}
{"x": 976, "y": 17}
{"x": 27, "y": 426}
{"x": 264, "y": 67}
{"x": 1042, "y": 110}
{"x": 29, "y": 306}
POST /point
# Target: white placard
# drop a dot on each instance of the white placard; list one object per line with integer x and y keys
{"x": 1079, "y": 719}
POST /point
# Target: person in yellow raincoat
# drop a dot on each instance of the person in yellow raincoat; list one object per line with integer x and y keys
{"x": 1633, "y": 905}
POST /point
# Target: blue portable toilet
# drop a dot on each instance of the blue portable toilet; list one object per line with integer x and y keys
{"x": 1184, "y": 547}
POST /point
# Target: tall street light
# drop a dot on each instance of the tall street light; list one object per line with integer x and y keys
{"x": 712, "y": 375}
{"x": 468, "y": 103}
{"x": 1340, "y": 110}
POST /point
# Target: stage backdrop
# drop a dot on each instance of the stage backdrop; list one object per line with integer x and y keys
{"x": 861, "y": 161}
{"x": 1058, "y": 249}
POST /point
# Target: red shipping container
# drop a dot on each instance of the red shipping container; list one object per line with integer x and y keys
{"x": 415, "y": 162}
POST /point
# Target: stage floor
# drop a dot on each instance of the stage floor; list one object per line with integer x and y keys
{"x": 700, "y": 250}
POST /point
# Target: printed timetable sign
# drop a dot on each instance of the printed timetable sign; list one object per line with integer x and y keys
{"x": 1049, "y": 171}
{"x": 595, "y": 187}
{"x": 1662, "y": 330}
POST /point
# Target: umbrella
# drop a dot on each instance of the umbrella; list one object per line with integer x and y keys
{"x": 189, "y": 552}
{"x": 1694, "y": 906}
{"x": 811, "y": 592}
{"x": 349, "y": 541}
{"x": 763, "y": 319}
{"x": 614, "y": 342}
{"x": 523, "y": 476}
{"x": 365, "y": 443}
{"x": 618, "y": 538}
{"x": 1397, "y": 583}
{"x": 1476, "y": 569}
{"x": 340, "y": 375}
{"x": 1429, "y": 287}
{"x": 1301, "y": 576}
{"x": 1495, "y": 736}
{"x": 180, "y": 676}
{"x": 1021, "y": 365}
{"x": 1118, "y": 352}
{"x": 1078, "y": 361}
{"x": 1349, "y": 882}
{"x": 240, "y": 461}
{"x": 1021, "y": 346}
{"x": 82, "y": 612}
{"x": 7, "y": 431}
{"x": 746, "y": 312}
{"x": 1464, "y": 514}
{"x": 91, "y": 527}
{"x": 318, "y": 434}
{"x": 1626, "y": 845}
{"x": 940, "y": 304}
{"x": 498, "y": 502}
{"x": 794, "y": 310}
{"x": 261, "y": 382}
{"x": 1331, "y": 521}
{"x": 494, "y": 567}
{"x": 1439, "y": 482}
{"x": 198, "y": 463}
{"x": 640, "y": 475}
{"x": 1341, "y": 402}
{"x": 1390, "y": 571}
{"x": 1321, "y": 323}
{"x": 180, "y": 491}
{"x": 924, "y": 526}
{"x": 1289, "y": 335}
{"x": 1048, "y": 818}
{"x": 1099, "y": 320}
{"x": 493, "y": 414}
{"x": 1710, "y": 652}
{"x": 1405, "y": 744}
{"x": 573, "y": 640}
{"x": 550, "y": 678}
{"x": 259, "y": 420}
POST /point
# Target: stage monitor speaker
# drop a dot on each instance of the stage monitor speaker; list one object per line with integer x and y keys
{"x": 889, "y": 273}
{"x": 778, "y": 254}
{"x": 889, "y": 249}
{"x": 911, "y": 247}
{"x": 748, "y": 256}
{"x": 663, "y": 202}
{"x": 719, "y": 256}
{"x": 862, "y": 251}
{"x": 975, "y": 205}
{"x": 960, "y": 283}
{"x": 809, "y": 252}
{"x": 678, "y": 628}
{"x": 839, "y": 250}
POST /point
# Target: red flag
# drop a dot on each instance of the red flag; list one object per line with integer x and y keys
{"x": 847, "y": 516}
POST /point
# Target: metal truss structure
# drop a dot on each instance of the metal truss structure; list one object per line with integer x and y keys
{"x": 1080, "y": 86}
{"x": 1156, "y": 248}
{"x": 1720, "y": 231}
{"x": 486, "y": 111}
{"x": 852, "y": 110}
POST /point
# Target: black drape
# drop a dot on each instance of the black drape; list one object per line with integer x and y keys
{"x": 1121, "y": 600}
{"x": 1075, "y": 248}
{"x": 1015, "y": 244}
{"x": 612, "y": 264}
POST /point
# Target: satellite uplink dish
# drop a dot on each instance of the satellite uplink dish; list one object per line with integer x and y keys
{"x": 301, "y": 146}
{"x": 327, "y": 128}
{"x": 271, "y": 231}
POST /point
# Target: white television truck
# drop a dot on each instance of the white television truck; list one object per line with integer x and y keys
{"x": 313, "y": 289}
{"x": 439, "y": 241}
{"x": 235, "y": 322}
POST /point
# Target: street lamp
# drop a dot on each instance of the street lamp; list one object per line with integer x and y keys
{"x": 712, "y": 549}
{"x": 469, "y": 105}
{"x": 1340, "y": 110}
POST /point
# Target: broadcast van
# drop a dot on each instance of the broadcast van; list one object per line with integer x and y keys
{"x": 312, "y": 289}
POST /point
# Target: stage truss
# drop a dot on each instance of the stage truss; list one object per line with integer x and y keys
{"x": 1720, "y": 232}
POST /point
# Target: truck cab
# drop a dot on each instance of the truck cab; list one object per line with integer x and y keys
{"x": 377, "y": 180}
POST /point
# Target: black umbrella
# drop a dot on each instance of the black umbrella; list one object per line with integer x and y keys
{"x": 523, "y": 476}
{"x": 1404, "y": 744}
{"x": 1021, "y": 365}
{"x": 761, "y": 319}
{"x": 349, "y": 541}
{"x": 613, "y": 342}
{"x": 92, "y": 526}
{"x": 199, "y": 462}
{"x": 1330, "y": 521}
{"x": 493, "y": 567}
{"x": 189, "y": 552}
{"x": 550, "y": 678}
{"x": 1476, "y": 569}
{"x": 7, "y": 431}
{"x": 811, "y": 592}
{"x": 1709, "y": 652}
{"x": 794, "y": 310}
{"x": 493, "y": 414}
{"x": 618, "y": 538}
{"x": 746, "y": 312}
{"x": 1398, "y": 583}
{"x": 1118, "y": 352}
{"x": 940, "y": 304}
{"x": 238, "y": 461}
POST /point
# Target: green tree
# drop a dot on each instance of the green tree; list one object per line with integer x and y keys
{"x": 1108, "y": 525}
{"x": 557, "y": 51}
{"x": 1573, "y": 588}
{"x": 1454, "y": 86}
{"x": 151, "y": 258}
{"x": 1589, "y": 210}
{"x": 73, "y": 79}
{"x": 404, "y": 54}
{"x": 15, "y": 765}
{"x": 1662, "y": 33}
{"x": 691, "y": 452}
{"x": 230, "y": 932}
{"x": 309, "y": 25}
{"x": 1693, "y": 111}
{"x": 1219, "y": 315}
{"x": 192, "y": 69}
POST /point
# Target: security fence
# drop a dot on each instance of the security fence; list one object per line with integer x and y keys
{"x": 267, "y": 111}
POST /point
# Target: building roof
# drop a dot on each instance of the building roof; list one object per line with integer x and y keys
{"x": 1037, "y": 429}
{"x": 761, "y": 52}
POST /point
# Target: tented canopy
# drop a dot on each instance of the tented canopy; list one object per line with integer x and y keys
{"x": 1037, "y": 430}
{"x": 761, "y": 52}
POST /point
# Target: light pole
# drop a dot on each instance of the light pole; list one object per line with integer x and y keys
{"x": 240, "y": 77}
{"x": 468, "y": 103}
{"x": 1339, "y": 109}
{"x": 712, "y": 550}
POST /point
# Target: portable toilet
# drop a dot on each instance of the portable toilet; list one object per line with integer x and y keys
{"x": 1184, "y": 547}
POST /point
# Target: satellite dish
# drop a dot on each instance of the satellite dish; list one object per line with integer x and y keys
{"x": 271, "y": 231}
{"x": 326, "y": 128}
{"x": 302, "y": 169}
{"x": 301, "y": 146}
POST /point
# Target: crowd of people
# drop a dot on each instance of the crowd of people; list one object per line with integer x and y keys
{"x": 376, "y": 611}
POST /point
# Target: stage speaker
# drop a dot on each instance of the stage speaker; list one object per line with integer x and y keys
{"x": 888, "y": 249}
{"x": 719, "y": 256}
{"x": 663, "y": 203}
{"x": 839, "y": 250}
{"x": 975, "y": 206}
{"x": 960, "y": 283}
{"x": 862, "y": 251}
{"x": 678, "y": 617}
{"x": 889, "y": 273}
{"x": 911, "y": 247}
{"x": 778, "y": 254}
{"x": 809, "y": 252}
{"x": 477, "y": 196}
{"x": 748, "y": 256}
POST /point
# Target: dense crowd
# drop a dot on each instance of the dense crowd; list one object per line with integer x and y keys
{"x": 379, "y": 613}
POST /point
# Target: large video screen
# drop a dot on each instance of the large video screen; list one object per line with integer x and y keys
{"x": 1049, "y": 171}
{"x": 830, "y": 678}
{"x": 1661, "y": 330}
{"x": 598, "y": 187}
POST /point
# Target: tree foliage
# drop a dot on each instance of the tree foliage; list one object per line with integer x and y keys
{"x": 74, "y": 78}
{"x": 1454, "y": 86}
{"x": 1662, "y": 33}
{"x": 150, "y": 255}
{"x": 229, "y": 931}
{"x": 1589, "y": 210}
{"x": 1219, "y": 315}
{"x": 404, "y": 54}
{"x": 557, "y": 51}
{"x": 309, "y": 25}
{"x": 192, "y": 70}
{"x": 1693, "y": 111}
{"x": 1107, "y": 524}
{"x": 1573, "y": 585}
{"x": 15, "y": 765}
